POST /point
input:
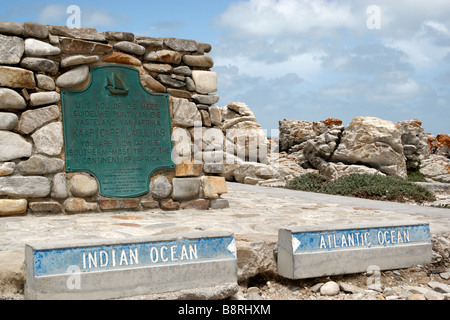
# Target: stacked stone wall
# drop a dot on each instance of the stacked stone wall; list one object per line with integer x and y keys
{"x": 38, "y": 61}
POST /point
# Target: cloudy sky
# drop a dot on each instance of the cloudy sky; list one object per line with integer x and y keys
{"x": 297, "y": 59}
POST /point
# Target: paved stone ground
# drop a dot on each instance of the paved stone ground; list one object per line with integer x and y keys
{"x": 254, "y": 216}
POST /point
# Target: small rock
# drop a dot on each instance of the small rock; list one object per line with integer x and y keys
{"x": 130, "y": 47}
{"x": 199, "y": 204}
{"x": 198, "y": 61}
{"x": 83, "y": 186}
{"x": 330, "y": 288}
{"x": 315, "y": 288}
{"x": 416, "y": 296}
{"x": 375, "y": 287}
{"x": 39, "y": 48}
{"x": 219, "y": 204}
{"x": 10, "y": 99}
{"x": 9, "y": 27}
{"x": 160, "y": 187}
{"x": 59, "y": 189}
{"x": 45, "y": 82}
{"x": 348, "y": 287}
{"x": 439, "y": 287}
{"x": 445, "y": 275}
{"x": 43, "y": 98}
{"x": 40, "y": 65}
{"x": 7, "y": 168}
{"x": 8, "y": 121}
{"x": 122, "y": 58}
{"x": 170, "y": 205}
{"x": 433, "y": 295}
{"x": 77, "y": 60}
{"x": 74, "y": 77}
{"x": 35, "y": 30}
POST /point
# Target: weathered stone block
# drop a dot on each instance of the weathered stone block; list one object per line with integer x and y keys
{"x": 40, "y": 165}
{"x": 40, "y": 65}
{"x": 122, "y": 58}
{"x": 166, "y": 56}
{"x": 35, "y": 30}
{"x": 28, "y": 187}
{"x": 78, "y": 59}
{"x": 198, "y": 204}
{"x": 198, "y": 61}
{"x": 13, "y": 146}
{"x": 78, "y": 205}
{"x": 185, "y": 113}
{"x": 43, "y": 98}
{"x": 213, "y": 187}
{"x": 45, "y": 207}
{"x": 16, "y": 78}
{"x": 11, "y": 49}
{"x": 59, "y": 186}
{"x": 205, "y": 81}
{"x": 11, "y": 207}
{"x": 110, "y": 204}
{"x": 49, "y": 139}
{"x": 32, "y": 119}
{"x": 185, "y": 188}
{"x": 77, "y": 33}
{"x": 81, "y": 46}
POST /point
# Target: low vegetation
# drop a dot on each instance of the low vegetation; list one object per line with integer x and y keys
{"x": 367, "y": 186}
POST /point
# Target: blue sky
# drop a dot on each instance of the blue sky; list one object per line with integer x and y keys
{"x": 297, "y": 59}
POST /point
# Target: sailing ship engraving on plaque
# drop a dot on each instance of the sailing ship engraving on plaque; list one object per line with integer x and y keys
{"x": 117, "y": 130}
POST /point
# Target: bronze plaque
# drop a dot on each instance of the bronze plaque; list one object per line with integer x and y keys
{"x": 117, "y": 130}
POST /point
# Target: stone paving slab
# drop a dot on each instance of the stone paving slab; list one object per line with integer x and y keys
{"x": 255, "y": 215}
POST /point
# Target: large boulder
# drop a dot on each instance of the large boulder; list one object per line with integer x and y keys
{"x": 414, "y": 142}
{"x": 372, "y": 142}
{"x": 436, "y": 168}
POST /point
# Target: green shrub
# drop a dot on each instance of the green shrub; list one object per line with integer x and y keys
{"x": 416, "y": 176}
{"x": 310, "y": 181}
{"x": 367, "y": 186}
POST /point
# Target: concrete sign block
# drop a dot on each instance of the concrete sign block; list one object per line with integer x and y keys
{"x": 125, "y": 268}
{"x": 316, "y": 251}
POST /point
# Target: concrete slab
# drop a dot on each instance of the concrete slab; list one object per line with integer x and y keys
{"x": 307, "y": 252}
{"x": 120, "y": 269}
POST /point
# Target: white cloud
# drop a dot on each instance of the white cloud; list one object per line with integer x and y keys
{"x": 276, "y": 18}
{"x": 52, "y": 14}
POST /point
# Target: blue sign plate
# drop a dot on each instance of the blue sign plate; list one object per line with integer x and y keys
{"x": 132, "y": 255}
{"x": 331, "y": 240}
